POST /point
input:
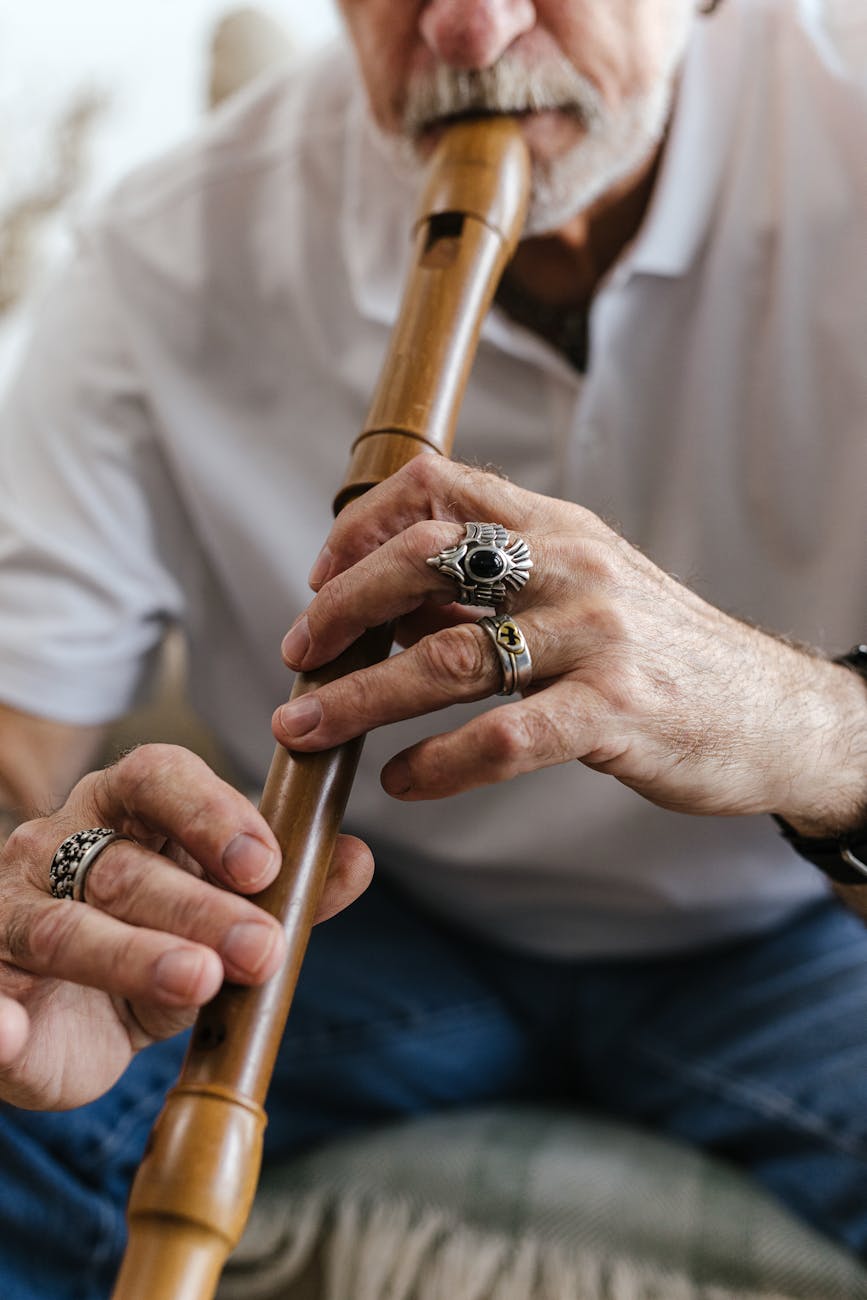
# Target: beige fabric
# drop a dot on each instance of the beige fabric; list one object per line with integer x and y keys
{"x": 508, "y": 1203}
{"x": 245, "y": 43}
{"x": 168, "y": 717}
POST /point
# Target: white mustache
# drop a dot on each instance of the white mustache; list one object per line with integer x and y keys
{"x": 509, "y": 86}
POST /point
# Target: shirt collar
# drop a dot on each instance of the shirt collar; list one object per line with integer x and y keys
{"x": 696, "y": 151}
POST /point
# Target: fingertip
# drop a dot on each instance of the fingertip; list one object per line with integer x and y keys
{"x": 321, "y": 568}
{"x": 253, "y": 951}
{"x": 250, "y": 863}
{"x": 187, "y": 977}
{"x": 276, "y": 955}
{"x": 352, "y": 868}
{"x": 296, "y": 643}
{"x": 396, "y": 778}
{"x": 294, "y": 721}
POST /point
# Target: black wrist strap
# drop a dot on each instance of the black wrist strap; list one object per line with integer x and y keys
{"x": 843, "y": 859}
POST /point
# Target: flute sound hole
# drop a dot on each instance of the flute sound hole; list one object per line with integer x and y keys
{"x": 208, "y": 1037}
{"x": 443, "y": 239}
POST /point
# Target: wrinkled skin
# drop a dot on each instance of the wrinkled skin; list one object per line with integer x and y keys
{"x": 165, "y": 922}
{"x": 633, "y": 674}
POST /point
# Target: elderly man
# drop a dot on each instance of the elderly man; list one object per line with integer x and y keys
{"x": 673, "y": 380}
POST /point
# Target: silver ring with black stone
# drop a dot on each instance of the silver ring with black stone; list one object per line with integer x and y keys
{"x": 512, "y": 651}
{"x": 74, "y": 858}
{"x": 486, "y": 566}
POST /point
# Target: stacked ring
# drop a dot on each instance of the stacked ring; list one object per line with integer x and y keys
{"x": 74, "y": 858}
{"x": 511, "y": 647}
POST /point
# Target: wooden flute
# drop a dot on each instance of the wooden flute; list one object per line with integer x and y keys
{"x": 193, "y": 1192}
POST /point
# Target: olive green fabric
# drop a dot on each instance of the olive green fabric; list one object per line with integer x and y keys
{"x": 511, "y": 1204}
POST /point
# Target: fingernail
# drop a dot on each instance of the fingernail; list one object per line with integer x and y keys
{"x": 301, "y": 716}
{"x": 320, "y": 569}
{"x": 248, "y": 861}
{"x": 178, "y": 973}
{"x": 296, "y": 642}
{"x": 248, "y": 946}
{"x": 396, "y": 779}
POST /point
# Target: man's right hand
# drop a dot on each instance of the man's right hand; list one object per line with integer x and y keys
{"x": 85, "y": 985}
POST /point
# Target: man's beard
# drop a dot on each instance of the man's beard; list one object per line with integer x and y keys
{"x": 615, "y": 144}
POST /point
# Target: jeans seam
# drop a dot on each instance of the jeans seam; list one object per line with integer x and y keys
{"x": 767, "y": 1102}
{"x": 117, "y": 1136}
{"x": 396, "y": 1023}
{"x": 108, "y": 1242}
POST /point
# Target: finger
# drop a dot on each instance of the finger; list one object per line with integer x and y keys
{"x": 382, "y": 586}
{"x": 429, "y": 487}
{"x": 163, "y": 792}
{"x": 394, "y": 581}
{"x": 71, "y": 941}
{"x": 458, "y": 664}
{"x": 554, "y": 725}
{"x": 14, "y": 1026}
{"x": 351, "y": 873}
{"x": 143, "y": 889}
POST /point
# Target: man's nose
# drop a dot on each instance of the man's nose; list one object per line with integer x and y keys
{"x": 474, "y": 33}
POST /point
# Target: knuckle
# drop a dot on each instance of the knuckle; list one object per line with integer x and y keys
{"x": 45, "y": 931}
{"x": 425, "y": 539}
{"x": 431, "y": 765}
{"x": 193, "y": 913}
{"x": 506, "y": 740}
{"x": 116, "y": 786}
{"x": 597, "y": 560}
{"x": 326, "y": 604}
{"x": 359, "y": 695}
{"x": 132, "y": 769}
{"x": 424, "y": 471}
{"x": 587, "y": 521}
{"x": 623, "y": 694}
{"x": 604, "y": 623}
{"x": 27, "y": 841}
{"x": 410, "y": 544}
{"x": 209, "y": 820}
{"x": 549, "y": 735}
{"x": 456, "y": 655}
{"x": 520, "y": 740}
{"x": 16, "y": 933}
{"x": 333, "y": 610}
{"x": 147, "y": 762}
{"x": 428, "y": 536}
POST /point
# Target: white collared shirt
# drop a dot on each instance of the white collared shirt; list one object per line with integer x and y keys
{"x": 172, "y": 445}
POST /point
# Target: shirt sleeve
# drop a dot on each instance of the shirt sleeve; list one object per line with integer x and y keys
{"x": 90, "y": 525}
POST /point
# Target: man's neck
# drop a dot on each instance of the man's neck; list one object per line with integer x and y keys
{"x": 551, "y": 281}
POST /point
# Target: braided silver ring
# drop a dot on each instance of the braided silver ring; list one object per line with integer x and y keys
{"x": 485, "y": 563}
{"x": 74, "y": 858}
{"x": 511, "y": 647}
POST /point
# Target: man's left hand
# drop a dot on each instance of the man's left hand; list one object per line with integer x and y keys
{"x": 633, "y": 674}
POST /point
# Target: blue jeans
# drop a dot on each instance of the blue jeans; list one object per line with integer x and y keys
{"x": 757, "y": 1051}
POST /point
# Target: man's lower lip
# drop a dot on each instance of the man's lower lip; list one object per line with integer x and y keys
{"x": 534, "y": 119}
{"x": 523, "y": 115}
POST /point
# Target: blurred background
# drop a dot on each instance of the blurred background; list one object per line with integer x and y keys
{"x": 89, "y": 89}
